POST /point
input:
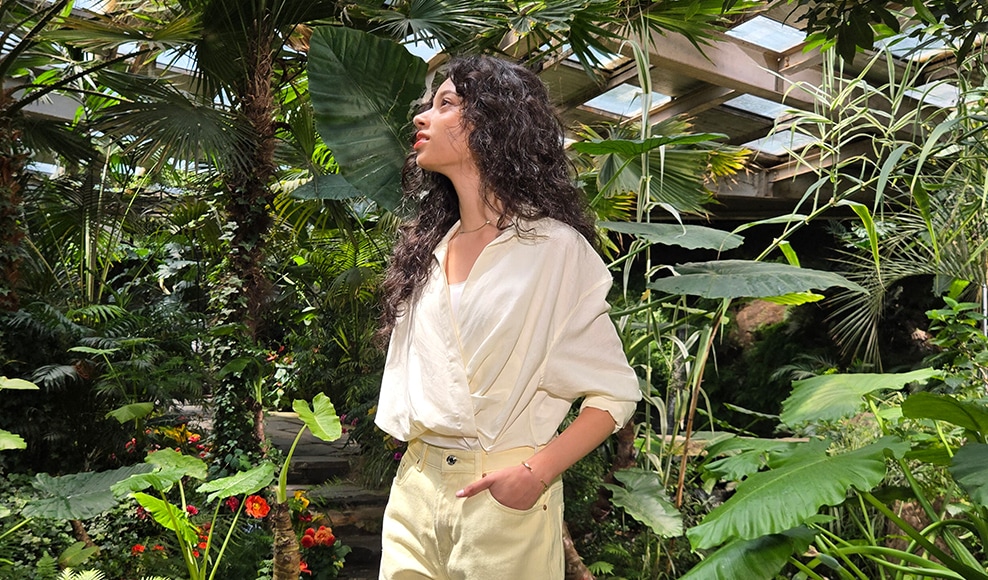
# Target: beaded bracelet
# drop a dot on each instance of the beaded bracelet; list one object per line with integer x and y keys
{"x": 545, "y": 485}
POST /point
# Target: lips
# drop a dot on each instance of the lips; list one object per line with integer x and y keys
{"x": 420, "y": 139}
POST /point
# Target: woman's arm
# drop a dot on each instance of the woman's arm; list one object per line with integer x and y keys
{"x": 519, "y": 488}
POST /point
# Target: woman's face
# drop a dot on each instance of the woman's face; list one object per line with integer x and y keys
{"x": 441, "y": 137}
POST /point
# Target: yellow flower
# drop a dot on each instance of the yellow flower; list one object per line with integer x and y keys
{"x": 300, "y": 497}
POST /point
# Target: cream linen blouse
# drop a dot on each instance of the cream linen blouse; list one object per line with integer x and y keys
{"x": 532, "y": 335}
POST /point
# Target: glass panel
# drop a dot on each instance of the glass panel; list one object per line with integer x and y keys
{"x": 780, "y": 143}
{"x": 624, "y": 100}
{"x": 939, "y": 94}
{"x": 758, "y": 106}
{"x": 424, "y": 49}
{"x": 768, "y": 33}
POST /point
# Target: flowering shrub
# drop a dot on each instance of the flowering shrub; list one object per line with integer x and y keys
{"x": 322, "y": 555}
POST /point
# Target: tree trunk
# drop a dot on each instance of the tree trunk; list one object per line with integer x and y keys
{"x": 287, "y": 557}
{"x": 12, "y": 160}
{"x": 624, "y": 457}
{"x": 244, "y": 296}
{"x": 575, "y": 568}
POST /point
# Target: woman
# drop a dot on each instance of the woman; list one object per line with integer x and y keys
{"x": 495, "y": 304}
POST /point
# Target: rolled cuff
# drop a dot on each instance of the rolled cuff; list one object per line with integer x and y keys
{"x": 620, "y": 411}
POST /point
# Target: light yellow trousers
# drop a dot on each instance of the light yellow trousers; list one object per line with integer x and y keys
{"x": 430, "y": 533}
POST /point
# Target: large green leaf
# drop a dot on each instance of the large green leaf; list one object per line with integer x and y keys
{"x": 331, "y": 186}
{"x": 10, "y": 440}
{"x": 970, "y": 469}
{"x": 757, "y": 559}
{"x": 131, "y": 412}
{"x": 321, "y": 419}
{"x": 78, "y": 496}
{"x": 159, "y": 480}
{"x": 644, "y": 499}
{"x": 362, "y": 88}
{"x": 241, "y": 483}
{"x": 744, "y": 456}
{"x": 19, "y": 384}
{"x": 831, "y": 397}
{"x": 690, "y": 237}
{"x": 971, "y": 415}
{"x": 792, "y": 491}
{"x": 747, "y": 279}
{"x": 171, "y": 459}
{"x": 171, "y": 517}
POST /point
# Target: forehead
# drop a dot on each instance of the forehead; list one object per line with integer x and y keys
{"x": 446, "y": 87}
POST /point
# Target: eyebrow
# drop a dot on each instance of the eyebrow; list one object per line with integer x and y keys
{"x": 447, "y": 92}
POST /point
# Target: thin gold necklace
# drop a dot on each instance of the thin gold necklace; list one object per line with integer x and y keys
{"x": 460, "y": 230}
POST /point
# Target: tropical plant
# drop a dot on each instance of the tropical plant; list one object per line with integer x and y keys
{"x": 170, "y": 470}
{"x": 767, "y": 523}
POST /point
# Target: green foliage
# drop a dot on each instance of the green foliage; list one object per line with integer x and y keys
{"x": 78, "y": 496}
{"x": 363, "y": 88}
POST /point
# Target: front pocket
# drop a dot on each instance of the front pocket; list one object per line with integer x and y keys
{"x": 539, "y": 503}
{"x": 407, "y": 462}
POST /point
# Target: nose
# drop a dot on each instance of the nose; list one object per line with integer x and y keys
{"x": 419, "y": 120}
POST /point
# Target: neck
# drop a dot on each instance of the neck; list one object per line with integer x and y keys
{"x": 476, "y": 209}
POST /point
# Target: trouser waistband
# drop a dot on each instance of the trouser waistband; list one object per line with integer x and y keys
{"x": 465, "y": 461}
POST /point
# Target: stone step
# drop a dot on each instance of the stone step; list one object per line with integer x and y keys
{"x": 317, "y": 469}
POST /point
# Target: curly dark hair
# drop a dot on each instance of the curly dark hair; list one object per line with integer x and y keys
{"x": 517, "y": 140}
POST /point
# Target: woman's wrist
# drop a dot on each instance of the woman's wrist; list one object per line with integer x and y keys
{"x": 531, "y": 470}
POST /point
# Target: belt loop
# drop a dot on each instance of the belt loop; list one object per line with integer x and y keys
{"x": 416, "y": 448}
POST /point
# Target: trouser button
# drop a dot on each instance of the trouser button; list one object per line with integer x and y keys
{"x": 450, "y": 460}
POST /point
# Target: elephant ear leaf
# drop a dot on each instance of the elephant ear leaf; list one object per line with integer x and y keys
{"x": 832, "y": 397}
{"x": 362, "y": 88}
{"x": 644, "y": 499}
{"x": 970, "y": 468}
{"x": 794, "y": 490}
{"x": 240, "y": 483}
{"x": 970, "y": 415}
{"x": 747, "y": 279}
{"x": 758, "y": 559}
{"x": 321, "y": 418}
{"x": 78, "y": 496}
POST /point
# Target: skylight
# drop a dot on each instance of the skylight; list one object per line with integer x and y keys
{"x": 758, "y": 106}
{"x": 938, "y": 94}
{"x": 768, "y": 33}
{"x": 915, "y": 48}
{"x": 624, "y": 100}
{"x": 422, "y": 48}
{"x": 91, "y": 5}
{"x": 607, "y": 61}
{"x": 782, "y": 143}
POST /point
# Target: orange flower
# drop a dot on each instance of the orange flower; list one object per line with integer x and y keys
{"x": 324, "y": 536}
{"x": 303, "y": 567}
{"x": 137, "y": 549}
{"x": 308, "y": 541}
{"x": 256, "y": 506}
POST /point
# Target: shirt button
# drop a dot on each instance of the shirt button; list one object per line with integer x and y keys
{"x": 450, "y": 460}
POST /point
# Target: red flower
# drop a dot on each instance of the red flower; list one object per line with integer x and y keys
{"x": 257, "y": 507}
{"x": 305, "y": 517}
{"x": 158, "y": 548}
{"x": 324, "y": 536}
{"x": 233, "y": 503}
{"x": 304, "y": 568}
{"x": 308, "y": 541}
{"x": 202, "y": 545}
{"x": 195, "y": 553}
{"x": 193, "y": 510}
{"x": 137, "y": 549}
{"x": 141, "y": 513}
